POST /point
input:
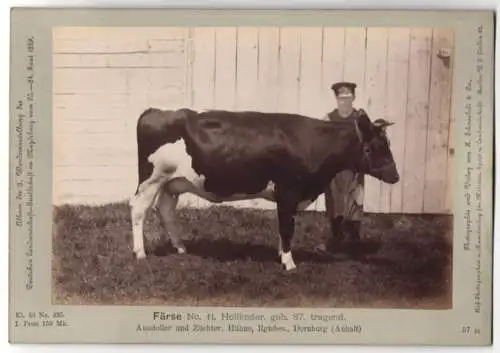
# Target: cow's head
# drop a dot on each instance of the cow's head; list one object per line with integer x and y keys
{"x": 377, "y": 159}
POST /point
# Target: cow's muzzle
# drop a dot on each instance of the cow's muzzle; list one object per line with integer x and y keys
{"x": 391, "y": 178}
{"x": 388, "y": 173}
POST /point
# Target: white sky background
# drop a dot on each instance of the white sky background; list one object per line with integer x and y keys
{"x": 316, "y": 4}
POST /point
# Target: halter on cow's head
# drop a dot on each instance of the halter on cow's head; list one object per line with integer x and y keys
{"x": 377, "y": 159}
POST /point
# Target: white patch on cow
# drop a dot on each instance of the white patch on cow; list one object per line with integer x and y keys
{"x": 287, "y": 260}
{"x": 175, "y": 154}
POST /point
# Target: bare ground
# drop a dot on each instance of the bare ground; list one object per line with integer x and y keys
{"x": 403, "y": 261}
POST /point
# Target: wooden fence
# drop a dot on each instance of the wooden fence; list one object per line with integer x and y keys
{"x": 105, "y": 77}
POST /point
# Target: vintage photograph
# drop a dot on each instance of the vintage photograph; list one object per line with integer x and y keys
{"x": 253, "y": 166}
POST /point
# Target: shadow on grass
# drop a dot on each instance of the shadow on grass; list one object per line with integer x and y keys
{"x": 225, "y": 250}
{"x": 402, "y": 261}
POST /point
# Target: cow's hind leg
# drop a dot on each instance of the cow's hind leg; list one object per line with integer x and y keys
{"x": 155, "y": 206}
{"x": 140, "y": 203}
{"x": 167, "y": 204}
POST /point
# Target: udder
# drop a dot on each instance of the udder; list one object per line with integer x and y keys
{"x": 181, "y": 185}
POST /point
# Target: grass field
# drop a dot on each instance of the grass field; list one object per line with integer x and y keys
{"x": 403, "y": 261}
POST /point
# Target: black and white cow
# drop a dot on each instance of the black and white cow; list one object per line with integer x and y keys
{"x": 226, "y": 156}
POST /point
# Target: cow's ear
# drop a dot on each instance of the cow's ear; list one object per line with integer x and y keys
{"x": 364, "y": 124}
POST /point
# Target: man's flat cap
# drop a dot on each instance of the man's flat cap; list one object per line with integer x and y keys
{"x": 350, "y": 86}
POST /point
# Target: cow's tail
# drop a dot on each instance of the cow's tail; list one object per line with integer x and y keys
{"x": 143, "y": 150}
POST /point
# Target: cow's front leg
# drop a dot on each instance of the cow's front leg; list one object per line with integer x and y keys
{"x": 286, "y": 218}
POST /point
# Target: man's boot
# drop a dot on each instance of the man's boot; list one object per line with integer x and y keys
{"x": 337, "y": 234}
{"x": 352, "y": 230}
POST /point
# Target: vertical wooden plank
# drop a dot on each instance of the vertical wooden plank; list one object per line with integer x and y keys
{"x": 247, "y": 73}
{"x": 267, "y": 93}
{"x": 203, "y": 86}
{"x": 332, "y": 67}
{"x": 247, "y": 68}
{"x": 189, "y": 60}
{"x": 310, "y": 79}
{"x": 354, "y": 70}
{"x": 289, "y": 70}
{"x": 310, "y": 91}
{"x": 397, "y": 90}
{"x": 203, "y": 68}
{"x": 416, "y": 123}
{"x": 332, "y": 64}
{"x": 225, "y": 68}
{"x": 376, "y": 106}
{"x": 355, "y": 61}
{"x": 437, "y": 131}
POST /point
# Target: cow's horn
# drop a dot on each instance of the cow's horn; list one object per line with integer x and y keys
{"x": 382, "y": 123}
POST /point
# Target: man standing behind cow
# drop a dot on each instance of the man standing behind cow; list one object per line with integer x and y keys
{"x": 344, "y": 196}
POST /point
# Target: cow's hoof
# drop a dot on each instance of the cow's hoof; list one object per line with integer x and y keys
{"x": 287, "y": 261}
{"x": 321, "y": 247}
{"x": 140, "y": 254}
{"x": 289, "y": 267}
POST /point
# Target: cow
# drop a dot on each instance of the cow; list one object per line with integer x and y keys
{"x": 222, "y": 156}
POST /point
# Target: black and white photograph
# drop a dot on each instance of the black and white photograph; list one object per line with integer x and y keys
{"x": 240, "y": 166}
